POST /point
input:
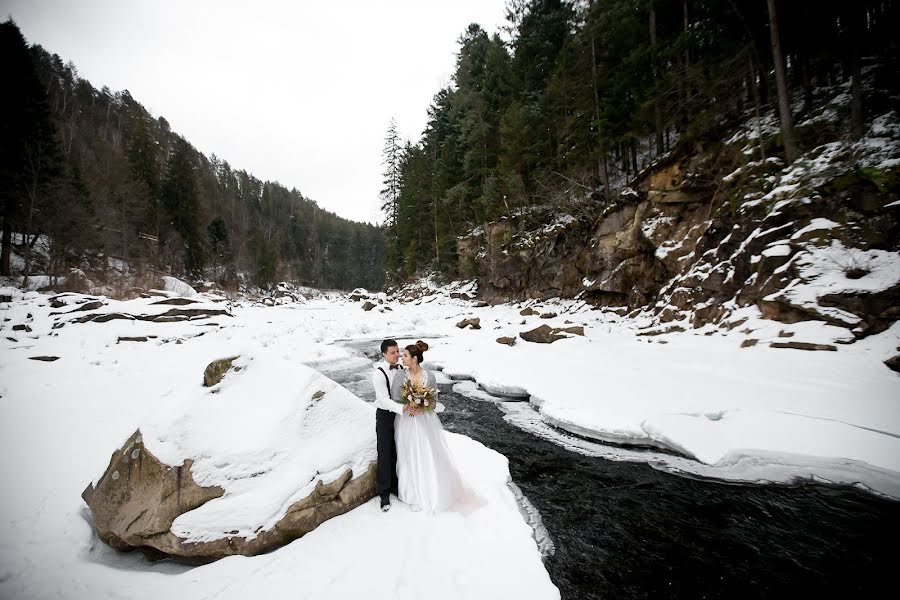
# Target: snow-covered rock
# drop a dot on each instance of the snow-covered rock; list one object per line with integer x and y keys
{"x": 178, "y": 287}
{"x": 244, "y": 467}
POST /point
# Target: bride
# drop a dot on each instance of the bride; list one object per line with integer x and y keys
{"x": 428, "y": 477}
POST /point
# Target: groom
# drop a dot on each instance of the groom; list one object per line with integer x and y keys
{"x": 386, "y": 409}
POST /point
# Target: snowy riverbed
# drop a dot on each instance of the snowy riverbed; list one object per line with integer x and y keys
{"x": 61, "y": 420}
{"x": 758, "y": 413}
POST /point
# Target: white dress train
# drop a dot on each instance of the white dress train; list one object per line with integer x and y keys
{"x": 427, "y": 474}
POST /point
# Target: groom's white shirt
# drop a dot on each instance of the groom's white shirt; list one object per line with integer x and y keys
{"x": 382, "y": 395}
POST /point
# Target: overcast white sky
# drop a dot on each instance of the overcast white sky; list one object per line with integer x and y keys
{"x": 296, "y": 92}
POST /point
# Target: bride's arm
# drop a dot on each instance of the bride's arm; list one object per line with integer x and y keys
{"x": 432, "y": 383}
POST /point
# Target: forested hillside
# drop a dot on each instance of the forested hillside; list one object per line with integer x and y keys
{"x": 114, "y": 191}
{"x": 580, "y": 97}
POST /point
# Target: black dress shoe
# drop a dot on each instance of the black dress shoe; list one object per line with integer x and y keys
{"x": 385, "y": 503}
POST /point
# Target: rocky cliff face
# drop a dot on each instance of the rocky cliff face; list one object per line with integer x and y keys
{"x": 699, "y": 236}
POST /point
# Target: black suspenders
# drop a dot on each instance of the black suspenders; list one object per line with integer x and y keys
{"x": 386, "y": 381}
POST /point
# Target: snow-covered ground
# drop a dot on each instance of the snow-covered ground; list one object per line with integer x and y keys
{"x": 60, "y": 420}
{"x": 757, "y": 413}
{"x": 827, "y": 415}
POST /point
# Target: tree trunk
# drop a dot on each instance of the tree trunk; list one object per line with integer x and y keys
{"x": 854, "y": 33}
{"x": 124, "y": 234}
{"x": 657, "y": 110}
{"x": 32, "y": 191}
{"x": 687, "y": 52}
{"x": 763, "y": 89}
{"x": 757, "y": 109}
{"x": 605, "y": 175}
{"x": 807, "y": 84}
{"x": 601, "y": 146}
{"x": 6, "y": 251}
{"x": 784, "y": 106}
{"x": 684, "y": 83}
{"x": 634, "y": 155}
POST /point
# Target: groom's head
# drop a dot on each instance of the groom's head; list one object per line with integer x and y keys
{"x": 390, "y": 350}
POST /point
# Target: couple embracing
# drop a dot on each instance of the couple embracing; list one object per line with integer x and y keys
{"x": 414, "y": 461}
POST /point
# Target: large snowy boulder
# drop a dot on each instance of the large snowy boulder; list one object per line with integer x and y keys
{"x": 242, "y": 467}
{"x": 178, "y": 287}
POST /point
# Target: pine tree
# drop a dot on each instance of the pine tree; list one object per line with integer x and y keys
{"x": 144, "y": 164}
{"x": 266, "y": 258}
{"x": 391, "y": 157}
{"x": 71, "y": 229}
{"x": 219, "y": 245}
{"x": 180, "y": 200}
{"x": 30, "y": 159}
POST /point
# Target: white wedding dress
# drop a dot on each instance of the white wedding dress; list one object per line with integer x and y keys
{"x": 427, "y": 474}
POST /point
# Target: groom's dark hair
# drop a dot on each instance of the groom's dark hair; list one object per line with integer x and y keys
{"x": 388, "y": 344}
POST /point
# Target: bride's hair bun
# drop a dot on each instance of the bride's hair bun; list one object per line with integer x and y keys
{"x": 416, "y": 350}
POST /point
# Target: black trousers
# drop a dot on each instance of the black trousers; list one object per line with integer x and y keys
{"x": 386, "y": 473}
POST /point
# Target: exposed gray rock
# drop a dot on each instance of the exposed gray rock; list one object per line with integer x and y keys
{"x": 136, "y": 338}
{"x": 90, "y": 305}
{"x": 188, "y": 314}
{"x": 893, "y": 362}
{"x": 803, "y": 346}
{"x": 216, "y": 370}
{"x": 170, "y": 316}
{"x": 662, "y": 330}
{"x": 574, "y": 330}
{"x": 103, "y": 318}
{"x": 473, "y": 323}
{"x": 541, "y": 335}
{"x": 175, "y": 301}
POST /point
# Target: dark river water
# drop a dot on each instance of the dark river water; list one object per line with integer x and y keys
{"x": 625, "y": 530}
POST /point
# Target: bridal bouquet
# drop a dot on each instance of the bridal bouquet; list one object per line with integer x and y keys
{"x": 421, "y": 396}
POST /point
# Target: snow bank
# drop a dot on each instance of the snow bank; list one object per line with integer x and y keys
{"x": 828, "y": 270}
{"x": 835, "y": 269}
{"x": 723, "y": 438}
{"x": 696, "y": 394}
